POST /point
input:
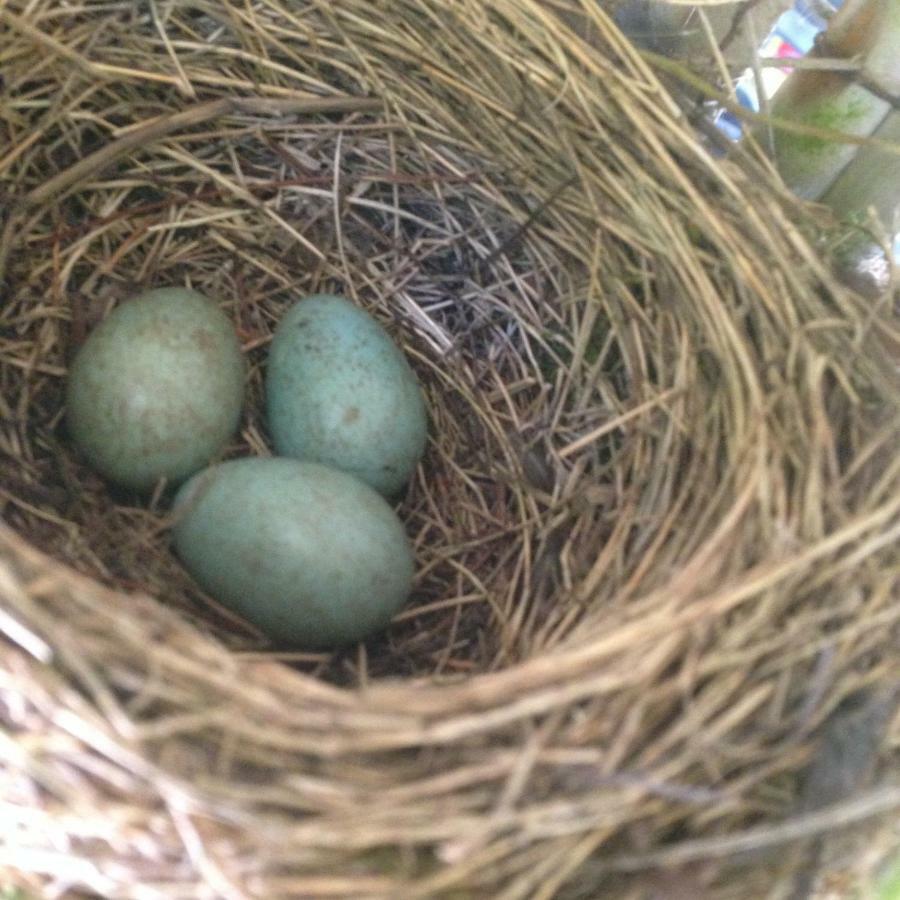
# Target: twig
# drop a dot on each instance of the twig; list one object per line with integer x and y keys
{"x": 879, "y": 90}
{"x": 692, "y": 79}
{"x": 159, "y": 128}
{"x": 736, "y": 23}
{"x": 216, "y": 192}
{"x": 516, "y": 237}
{"x": 867, "y": 806}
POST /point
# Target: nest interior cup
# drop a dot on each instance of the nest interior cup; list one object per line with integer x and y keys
{"x": 655, "y": 526}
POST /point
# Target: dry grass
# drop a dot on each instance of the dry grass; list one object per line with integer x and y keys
{"x": 656, "y": 527}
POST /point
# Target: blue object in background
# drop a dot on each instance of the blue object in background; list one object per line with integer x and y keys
{"x": 729, "y": 125}
{"x": 798, "y": 30}
{"x": 794, "y": 33}
{"x": 745, "y": 91}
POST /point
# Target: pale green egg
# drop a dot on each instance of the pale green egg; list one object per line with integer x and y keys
{"x": 310, "y": 555}
{"x": 157, "y": 388}
{"x": 340, "y": 392}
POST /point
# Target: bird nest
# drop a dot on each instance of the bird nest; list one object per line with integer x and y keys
{"x": 656, "y": 523}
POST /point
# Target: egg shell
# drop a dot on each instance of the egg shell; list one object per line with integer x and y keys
{"x": 312, "y": 556}
{"x": 157, "y": 388}
{"x": 340, "y": 392}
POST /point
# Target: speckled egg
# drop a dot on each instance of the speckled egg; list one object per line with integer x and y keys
{"x": 157, "y": 388}
{"x": 310, "y": 555}
{"x": 340, "y": 392}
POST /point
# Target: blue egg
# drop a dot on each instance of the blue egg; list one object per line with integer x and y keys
{"x": 156, "y": 390}
{"x": 310, "y": 555}
{"x": 340, "y": 392}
